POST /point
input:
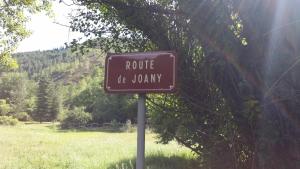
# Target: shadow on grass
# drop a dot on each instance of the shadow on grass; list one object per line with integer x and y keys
{"x": 57, "y": 128}
{"x": 106, "y": 129}
{"x": 159, "y": 161}
{"x": 98, "y": 129}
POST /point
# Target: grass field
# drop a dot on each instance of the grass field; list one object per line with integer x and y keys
{"x": 41, "y": 146}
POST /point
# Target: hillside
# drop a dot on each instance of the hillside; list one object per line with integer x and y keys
{"x": 62, "y": 65}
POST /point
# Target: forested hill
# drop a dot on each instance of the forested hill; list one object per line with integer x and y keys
{"x": 60, "y": 64}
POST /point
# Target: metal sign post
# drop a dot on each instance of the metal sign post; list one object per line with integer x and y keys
{"x": 140, "y": 160}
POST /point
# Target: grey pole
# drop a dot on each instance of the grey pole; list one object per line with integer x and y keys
{"x": 140, "y": 159}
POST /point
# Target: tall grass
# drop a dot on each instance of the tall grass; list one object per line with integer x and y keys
{"x": 41, "y": 146}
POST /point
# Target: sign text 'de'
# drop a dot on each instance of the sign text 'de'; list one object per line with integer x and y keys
{"x": 141, "y": 72}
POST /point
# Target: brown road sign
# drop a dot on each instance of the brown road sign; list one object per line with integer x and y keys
{"x": 147, "y": 72}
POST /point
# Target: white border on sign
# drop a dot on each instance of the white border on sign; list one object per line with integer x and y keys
{"x": 138, "y": 90}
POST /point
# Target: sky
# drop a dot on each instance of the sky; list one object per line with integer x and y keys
{"x": 45, "y": 33}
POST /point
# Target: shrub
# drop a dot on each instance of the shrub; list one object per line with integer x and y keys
{"x": 22, "y": 116}
{"x": 128, "y": 127}
{"x": 8, "y": 121}
{"x": 76, "y": 118}
{"x": 4, "y": 107}
{"x": 114, "y": 124}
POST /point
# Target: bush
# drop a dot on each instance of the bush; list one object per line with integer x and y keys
{"x": 4, "y": 107}
{"x": 8, "y": 121}
{"x": 22, "y": 116}
{"x": 76, "y": 118}
{"x": 114, "y": 124}
{"x": 128, "y": 127}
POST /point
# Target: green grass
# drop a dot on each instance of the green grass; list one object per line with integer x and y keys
{"x": 40, "y": 146}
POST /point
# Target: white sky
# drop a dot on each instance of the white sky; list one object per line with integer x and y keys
{"x": 46, "y": 34}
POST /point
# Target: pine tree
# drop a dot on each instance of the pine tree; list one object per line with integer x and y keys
{"x": 41, "y": 113}
{"x": 49, "y": 101}
{"x": 54, "y": 101}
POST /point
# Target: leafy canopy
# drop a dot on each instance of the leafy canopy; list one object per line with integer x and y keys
{"x": 238, "y": 100}
{"x": 14, "y": 14}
